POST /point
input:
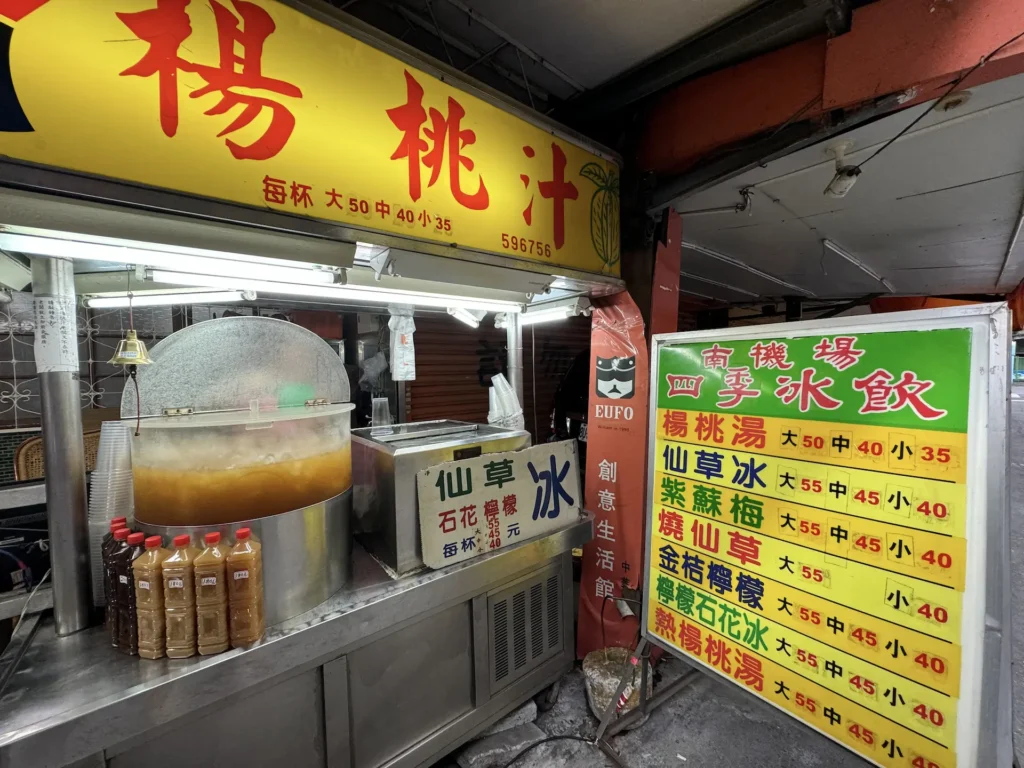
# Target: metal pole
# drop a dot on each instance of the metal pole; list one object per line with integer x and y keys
{"x": 56, "y": 348}
{"x": 514, "y": 342}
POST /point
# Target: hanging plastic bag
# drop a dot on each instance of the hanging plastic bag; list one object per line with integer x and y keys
{"x": 403, "y": 352}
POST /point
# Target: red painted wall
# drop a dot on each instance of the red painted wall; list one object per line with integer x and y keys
{"x": 894, "y": 46}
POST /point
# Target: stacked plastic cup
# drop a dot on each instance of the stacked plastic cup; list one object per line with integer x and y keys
{"x": 505, "y": 410}
{"x": 110, "y": 494}
{"x": 381, "y": 417}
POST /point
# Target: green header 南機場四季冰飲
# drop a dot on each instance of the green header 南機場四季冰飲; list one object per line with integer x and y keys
{"x": 901, "y": 379}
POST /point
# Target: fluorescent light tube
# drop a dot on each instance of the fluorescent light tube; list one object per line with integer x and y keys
{"x": 337, "y": 292}
{"x": 164, "y": 299}
{"x": 469, "y": 317}
{"x": 532, "y": 317}
{"x": 186, "y": 260}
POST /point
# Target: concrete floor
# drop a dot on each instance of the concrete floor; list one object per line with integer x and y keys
{"x": 708, "y": 725}
{"x": 714, "y": 725}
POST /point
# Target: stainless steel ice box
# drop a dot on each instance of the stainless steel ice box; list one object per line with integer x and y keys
{"x": 384, "y": 467}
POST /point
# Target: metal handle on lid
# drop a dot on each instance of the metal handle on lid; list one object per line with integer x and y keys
{"x": 437, "y": 432}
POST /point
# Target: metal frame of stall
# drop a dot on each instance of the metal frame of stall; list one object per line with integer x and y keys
{"x": 389, "y": 673}
{"x": 96, "y": 193}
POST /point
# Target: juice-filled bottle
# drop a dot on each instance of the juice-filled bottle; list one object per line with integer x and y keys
{"x": 149, "y": 598}
{"x": 118, "y": 543}
{"x": 106, "y": 547}
{"x": 107, "y": 543}
{"x": 245, "y": 589}
{"x": 211, "y": 597}
{"x": 180, "y": 599}
{"x": 127, "y": 621}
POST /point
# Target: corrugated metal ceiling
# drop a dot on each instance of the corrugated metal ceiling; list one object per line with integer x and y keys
{"x": 578, "y": 44}
{"x": 933, "y": 214}
{"x": 595, "y": 40}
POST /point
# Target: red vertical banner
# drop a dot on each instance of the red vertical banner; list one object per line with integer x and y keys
{"x": 616, "y": 471}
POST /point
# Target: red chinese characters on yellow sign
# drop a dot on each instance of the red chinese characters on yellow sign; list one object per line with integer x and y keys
{"x": 410, "y": 119}
{"x": 173, "y": 93}
{"x": 167, "y": 27}
{"x": 556, "y": 189}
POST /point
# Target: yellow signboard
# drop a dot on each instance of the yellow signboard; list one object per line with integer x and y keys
{"x": 814, "y": 528}
{"x": 253, "y": 102}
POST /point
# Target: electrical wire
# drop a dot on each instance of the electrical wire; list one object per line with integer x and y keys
{"x": 131, "y": 315}
{"x": 931, "y": 107}
{"x": 533, "y": 376}
{"x": 132, "y": 368}
{"x": 24, "y": 608}
{"x": 21, "y": 565}
{"x": 138, "y": 403}
{"x": 522, "y": 752}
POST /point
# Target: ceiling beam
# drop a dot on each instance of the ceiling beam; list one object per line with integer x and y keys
{"x": 838, "y": 310}
{"x": 769, "y": 25}
{"x": 460, "y": 45}
{"x": 485, "y": 56}
{"x": 895, "y": 55}
{"x": 712, "y": 254}
{"x": 847, "y": 256}
{"x": 708, "y": 296}
{"x": 709, "y": 281}
{"x": 495, "y": 29}
{"x": 1014, "y": 240}
{"x": 762, "y": 150}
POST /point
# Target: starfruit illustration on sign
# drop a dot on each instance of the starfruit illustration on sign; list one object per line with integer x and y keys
{"x": 604, "y": 212}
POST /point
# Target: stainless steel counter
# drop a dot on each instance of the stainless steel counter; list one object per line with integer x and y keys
{"x": 75, "y": 697}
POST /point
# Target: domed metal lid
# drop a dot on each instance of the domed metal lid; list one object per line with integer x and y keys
{"x": 230, "y": 362}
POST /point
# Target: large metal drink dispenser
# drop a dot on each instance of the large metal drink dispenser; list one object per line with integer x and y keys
{"x": 245, "y": 423}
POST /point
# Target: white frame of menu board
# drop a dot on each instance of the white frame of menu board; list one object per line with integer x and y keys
{"x": 984, "y": 736}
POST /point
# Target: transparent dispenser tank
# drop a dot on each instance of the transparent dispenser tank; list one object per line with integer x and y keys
{"x": 218, "y": 468}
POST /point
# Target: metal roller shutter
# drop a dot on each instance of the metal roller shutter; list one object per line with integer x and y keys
{"x": 454, "y": 365}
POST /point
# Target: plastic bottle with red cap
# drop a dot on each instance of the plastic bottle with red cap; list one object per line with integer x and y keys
{"x": 149, "y": 598}
{"x": 118, "y": 545}
{"x": 212, "y": 597}
{"x": 124, "y": 586}
{"x": 106, "y": 547}
{"x": 180, "y": 599}
{"x": 245, "y": 589}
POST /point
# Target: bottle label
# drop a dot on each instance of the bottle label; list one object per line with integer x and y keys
{"x": 242, "y": 574}
{"x": 143, "y": 584}
{"x": 175, "y": 583}
{"x": 208, "y": 581}
{"x": 123, "y": 579}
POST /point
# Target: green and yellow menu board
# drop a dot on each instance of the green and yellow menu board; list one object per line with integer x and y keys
{"x": 814, "y": 512}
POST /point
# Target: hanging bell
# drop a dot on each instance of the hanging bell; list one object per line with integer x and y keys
{"x": 131, "y": 351}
